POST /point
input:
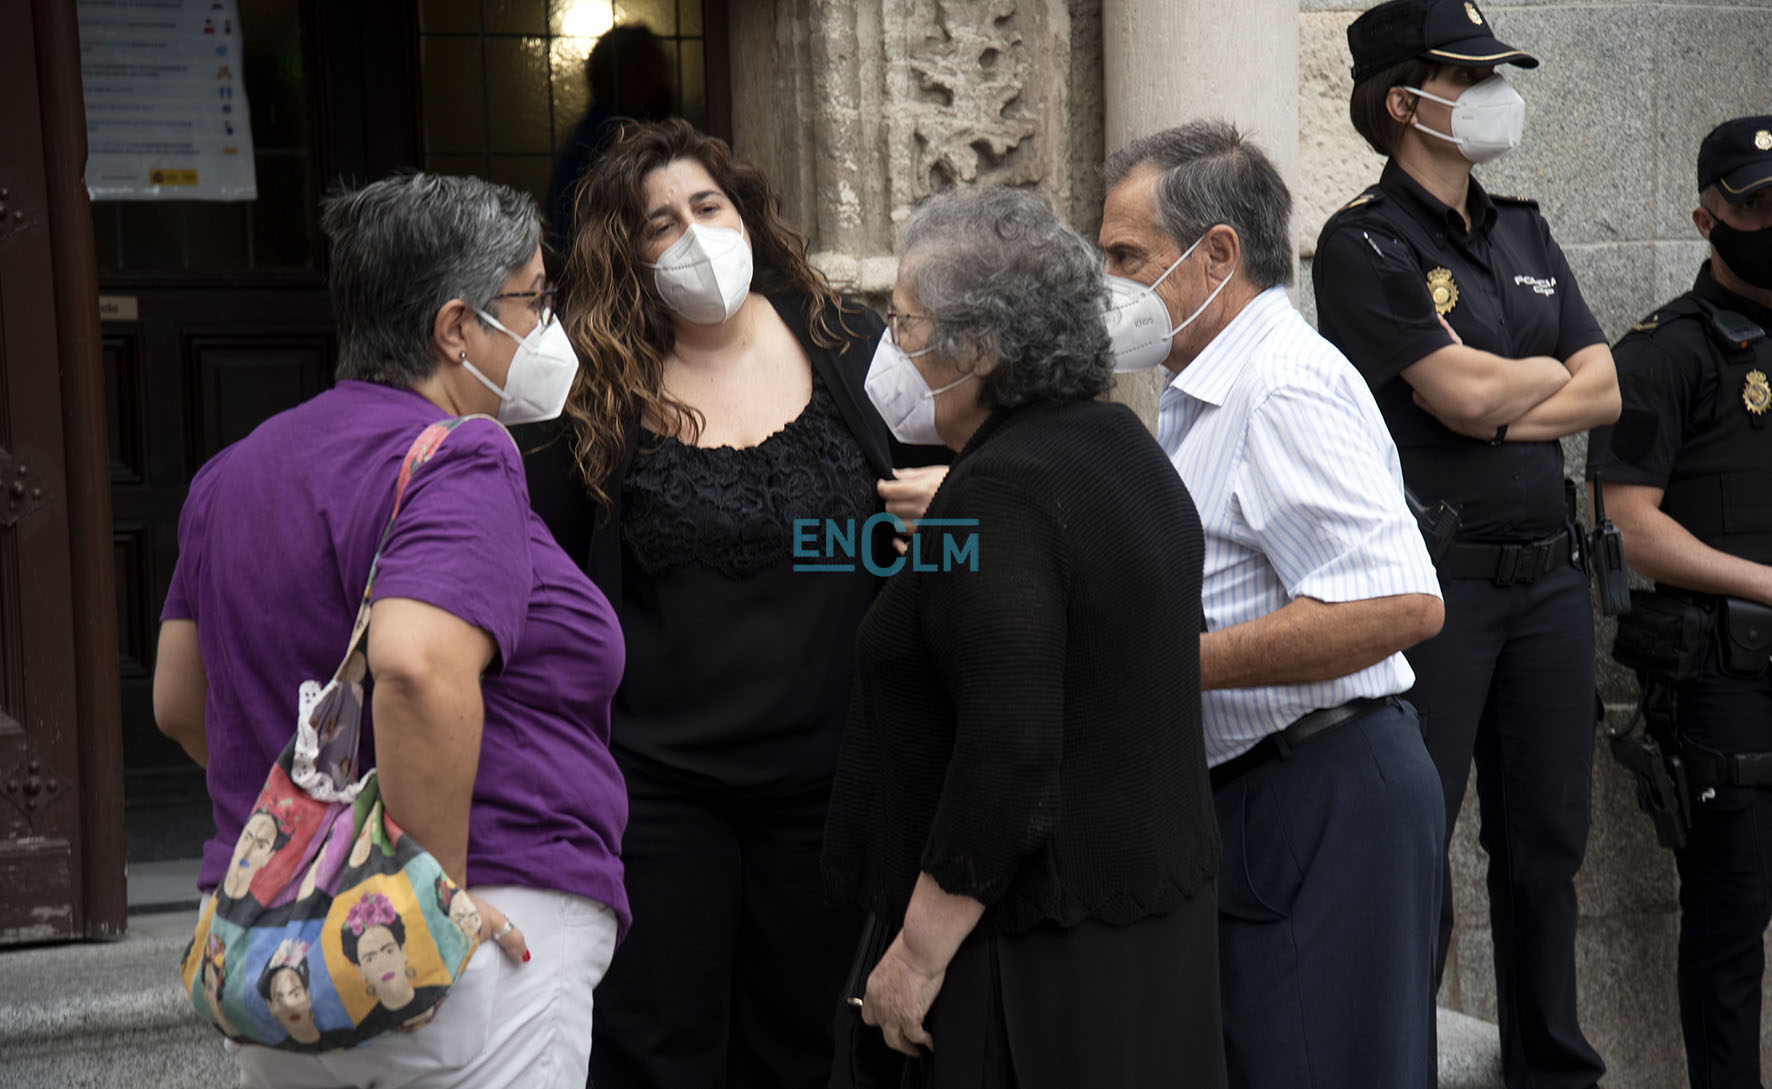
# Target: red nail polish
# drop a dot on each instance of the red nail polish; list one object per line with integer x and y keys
{"x": 525, "y": 956}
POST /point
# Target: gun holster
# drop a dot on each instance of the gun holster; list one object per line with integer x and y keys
{"x": 1664, "y": 790}
{"x": 1438, "y": 524}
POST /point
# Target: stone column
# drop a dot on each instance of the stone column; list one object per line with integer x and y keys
{"x": 1169, "y": 61}
{"x": 859, "y": 110}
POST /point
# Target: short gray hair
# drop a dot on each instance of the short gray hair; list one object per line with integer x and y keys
{"x": 1214, "y": 174}
{"x": 404, "y": 246}
{"x": 1002, "y": 277}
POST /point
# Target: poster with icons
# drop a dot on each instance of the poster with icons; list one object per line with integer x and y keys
{"x": 166, "y": 115}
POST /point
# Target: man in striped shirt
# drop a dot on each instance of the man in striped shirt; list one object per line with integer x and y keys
{"x": 1316, "y": 578}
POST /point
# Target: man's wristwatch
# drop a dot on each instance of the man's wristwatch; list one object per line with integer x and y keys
{"x": 1499, "y": 437}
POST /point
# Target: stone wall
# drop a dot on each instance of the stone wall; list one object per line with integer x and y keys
{"x": 1614, "y": 116}
{"x": 859, "y": 110}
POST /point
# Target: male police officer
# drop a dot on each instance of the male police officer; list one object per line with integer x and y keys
{"x": 1315, "y": 579}
{"x": 1686, "y": 474}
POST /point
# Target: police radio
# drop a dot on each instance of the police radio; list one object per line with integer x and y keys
{"x": 1605, "y": 558}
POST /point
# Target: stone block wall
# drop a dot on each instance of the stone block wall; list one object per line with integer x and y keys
{"x": 1614, "y": 116}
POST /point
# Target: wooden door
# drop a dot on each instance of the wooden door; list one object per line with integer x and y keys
{"x": 60, "y": 848}
{"x": 217, "y": 314}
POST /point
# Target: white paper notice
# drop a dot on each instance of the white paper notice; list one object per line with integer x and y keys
{"x": 166, "y": 115}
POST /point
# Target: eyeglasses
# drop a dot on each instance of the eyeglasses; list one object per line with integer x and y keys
{"x": 895, "y": 322}
{"x": 541, "y": 303}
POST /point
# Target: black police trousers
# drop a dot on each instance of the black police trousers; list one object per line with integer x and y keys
{"x": 1509, "y": 681}
{"x": 1725, "y": 886}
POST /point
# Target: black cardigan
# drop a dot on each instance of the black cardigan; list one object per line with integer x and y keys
{"x": 591, "y": 534}
{"x": 1029, "y": 733}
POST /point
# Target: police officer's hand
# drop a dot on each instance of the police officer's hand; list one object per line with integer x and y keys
{"x": 1451, "y": 332}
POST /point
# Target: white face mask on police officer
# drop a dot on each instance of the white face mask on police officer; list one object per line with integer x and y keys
{"x": 540, "y": 376}
{"x": 705, "y": 275}
{"x": 1488, "y": 119}
{"x": 904, "y": 399}
{"x": 1137, "y": 319}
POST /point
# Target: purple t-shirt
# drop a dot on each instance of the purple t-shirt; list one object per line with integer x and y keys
{"x": 275, "y": 542}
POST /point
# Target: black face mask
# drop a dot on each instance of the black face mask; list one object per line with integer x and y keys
{"x": 1747, "y": 253}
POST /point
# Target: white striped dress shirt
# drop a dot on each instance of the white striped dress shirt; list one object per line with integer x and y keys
{"x": 1300, "y": 492}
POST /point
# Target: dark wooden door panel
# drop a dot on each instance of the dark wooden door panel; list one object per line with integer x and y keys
{"x": 241, "y": 379}
{"x": 196, "y": 370}
{"x": 39, "y": 808}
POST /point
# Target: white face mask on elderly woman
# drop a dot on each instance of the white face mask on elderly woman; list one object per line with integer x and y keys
{"x": 705, "y": 275}
{"x": 904, "y": 399}
{"x": 1137, "y": 319}
{"x": 541, "y": 373}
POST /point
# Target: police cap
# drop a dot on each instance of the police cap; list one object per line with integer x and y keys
{"x": 1737, "y": 157}
{"x": 1447, "y": 31}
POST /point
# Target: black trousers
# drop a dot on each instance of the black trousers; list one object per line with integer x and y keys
{"x": 1509, "y": 682}
{"x": 1328, "y": 896}
{"x": 1096, "y": 1006}
{"x": 1725, "y": 887}
{"x": 730, "y": 973}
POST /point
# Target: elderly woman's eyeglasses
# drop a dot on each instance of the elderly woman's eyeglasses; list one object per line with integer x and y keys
{"x": 895, "y": 322}
{"x": 541, "y": 303}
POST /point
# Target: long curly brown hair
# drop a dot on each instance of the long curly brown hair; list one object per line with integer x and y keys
{"x": 622, "y": 331}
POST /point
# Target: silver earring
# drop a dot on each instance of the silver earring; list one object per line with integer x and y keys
{"x": 464, "y": 357}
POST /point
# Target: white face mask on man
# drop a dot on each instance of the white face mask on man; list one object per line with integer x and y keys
{"x": 1488, "y": 119}
{"x": 1137, "y": 319}
{"x": 904, "y": 399}
{"x": 540, "y": 376}
{"x": 705, "y": 275}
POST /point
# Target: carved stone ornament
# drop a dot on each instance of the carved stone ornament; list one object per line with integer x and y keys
{"x": 971, "y": 112}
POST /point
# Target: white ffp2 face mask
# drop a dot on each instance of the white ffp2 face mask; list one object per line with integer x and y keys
{"x": 705, "y": 275}
{"x": 1488, "y": 119}
{"x": 904, "y": 399}
{"x": 540, "y": 376}
{"x": 1137, "y": 319}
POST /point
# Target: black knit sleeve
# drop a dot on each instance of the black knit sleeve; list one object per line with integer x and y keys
{"x": 997, "y": 636}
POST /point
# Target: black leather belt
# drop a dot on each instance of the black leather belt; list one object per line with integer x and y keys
{"x": 1707, "y": 767}
{"x": 1279, "y": 745}
{"x": 1507, "y": 564}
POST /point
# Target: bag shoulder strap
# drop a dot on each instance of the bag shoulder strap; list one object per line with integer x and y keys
{"x": 423, "y": 448}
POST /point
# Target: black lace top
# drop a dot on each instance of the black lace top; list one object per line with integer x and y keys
{"x": 739, "y": 666}
{"x": 733, "y": 510}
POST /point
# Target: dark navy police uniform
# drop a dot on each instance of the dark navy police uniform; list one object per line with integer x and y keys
{"x": 1694, "y": 424}
{"x": 1509, "y": 681}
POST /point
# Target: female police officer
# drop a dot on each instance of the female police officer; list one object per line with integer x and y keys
{"x": 1461, "y": 312}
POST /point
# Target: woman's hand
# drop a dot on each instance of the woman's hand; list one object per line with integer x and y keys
{"x": 898, "y": 996}
{"x": 492, "y": 928}
{"x": 907, "y": 495}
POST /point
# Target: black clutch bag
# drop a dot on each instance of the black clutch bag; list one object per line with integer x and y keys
{"x": 862, "y": 1060}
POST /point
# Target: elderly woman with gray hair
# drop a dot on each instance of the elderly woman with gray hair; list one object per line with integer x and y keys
{"x": 1022, "y": 791}
{"x": 492, "y": 656}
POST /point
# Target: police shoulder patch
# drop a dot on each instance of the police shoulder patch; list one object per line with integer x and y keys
{"x": 1364, "y": 198}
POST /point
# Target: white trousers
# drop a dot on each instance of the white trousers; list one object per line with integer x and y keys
{"x": 503, "y": 1024}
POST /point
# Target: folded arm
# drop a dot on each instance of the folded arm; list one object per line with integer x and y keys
{"x": 1474, "y": 392}
{"x": 1307, "y": 640}
{"x": 1589, "y": 400}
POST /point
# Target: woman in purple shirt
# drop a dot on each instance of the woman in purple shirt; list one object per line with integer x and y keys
{"x": 492, "y": 655}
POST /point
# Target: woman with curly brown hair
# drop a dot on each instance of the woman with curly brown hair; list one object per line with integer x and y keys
{"x": 719, "y": 427}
